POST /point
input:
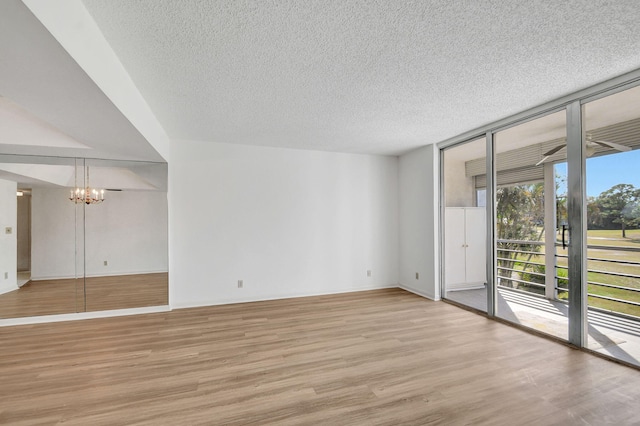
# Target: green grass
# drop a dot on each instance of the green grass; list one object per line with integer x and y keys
{"x": 606, "y": 237}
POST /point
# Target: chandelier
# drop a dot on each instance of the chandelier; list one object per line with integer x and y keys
{"x": 86, "y": 195}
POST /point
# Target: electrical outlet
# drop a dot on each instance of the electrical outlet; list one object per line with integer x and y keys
{"x": 369, "y": 272}
{"x": 240, "y": 284}
{"x": 417, "y": 276}
{"x": 8, "y": 230}
{"x": 106, "y": 263}
{"x": 6, "y": 275}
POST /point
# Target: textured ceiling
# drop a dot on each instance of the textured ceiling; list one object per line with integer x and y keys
{"x": 360, "y": 76}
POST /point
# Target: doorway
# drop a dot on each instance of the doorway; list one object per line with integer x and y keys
{"x": 531, "y": 254}
{"x": 23, "y": 236}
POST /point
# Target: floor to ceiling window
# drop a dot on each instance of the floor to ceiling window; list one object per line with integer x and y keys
{"x": 612, "y": 134}
{"x": 561, "y": 192}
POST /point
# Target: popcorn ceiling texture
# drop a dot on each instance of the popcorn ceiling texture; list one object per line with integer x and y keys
{"x": 360, "y": 76}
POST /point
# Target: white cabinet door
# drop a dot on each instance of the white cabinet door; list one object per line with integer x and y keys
{"x": 465, "y": 247}
{"x": 475, "y": 237}
{"x": 454, "y": 254}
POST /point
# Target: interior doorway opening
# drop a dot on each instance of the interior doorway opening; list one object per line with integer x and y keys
{"x": 23, "y": 236}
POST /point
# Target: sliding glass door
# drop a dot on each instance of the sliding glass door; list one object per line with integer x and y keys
{"x": 531, "y": 259}
{"x": 559, "y": 194}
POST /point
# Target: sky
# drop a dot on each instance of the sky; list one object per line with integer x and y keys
{"x": 606, "y": 171}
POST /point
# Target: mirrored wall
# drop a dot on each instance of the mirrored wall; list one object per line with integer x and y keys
{"x": 81, "y": 235}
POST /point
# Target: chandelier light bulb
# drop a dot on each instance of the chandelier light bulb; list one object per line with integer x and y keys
{"x": 86, "y": 195}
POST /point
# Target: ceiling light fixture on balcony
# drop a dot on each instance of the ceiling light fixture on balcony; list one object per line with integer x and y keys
{"x": 86, "y": 195}
{"x": 590, "y": 148}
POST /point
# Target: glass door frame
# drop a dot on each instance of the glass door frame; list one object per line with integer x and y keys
{"x": 576, "y": 196}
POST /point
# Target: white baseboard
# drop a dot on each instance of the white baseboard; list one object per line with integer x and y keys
{"x": 82, "y": 315}
{"x": 418, "y": 292}
{"x": 110, "y": 274}
{"x": 200, "y": 303}
{"x": 185, "y": 305}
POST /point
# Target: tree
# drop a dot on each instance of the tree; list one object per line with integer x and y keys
{"x": 519, "y": 214}
{"x": 594, "y": 214}
{"x": 619, "y": 205}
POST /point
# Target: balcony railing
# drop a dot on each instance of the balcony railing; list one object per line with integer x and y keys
{"x": 520, "y": 268}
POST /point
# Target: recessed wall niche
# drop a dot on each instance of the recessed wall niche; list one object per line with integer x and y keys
{"x": 90, "y": 235}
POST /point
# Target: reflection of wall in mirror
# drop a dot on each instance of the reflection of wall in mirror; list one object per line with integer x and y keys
{"x": 128, "y": 230}
{"x": 53, "y": 222}
{"x": 8, "y": 245}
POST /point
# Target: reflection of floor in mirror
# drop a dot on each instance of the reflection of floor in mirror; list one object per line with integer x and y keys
{"x": 63, "y": 296}
{"x": 126, "y": 291}
{"x": 611, "y": 335}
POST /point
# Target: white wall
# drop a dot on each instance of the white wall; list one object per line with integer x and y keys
{"x": 128, "y": 230}
{"x": 459, "y": 189}
{"x": 8, "y": 242}
{"x": 418, "y": 218}
{"x": 287, "y": 222}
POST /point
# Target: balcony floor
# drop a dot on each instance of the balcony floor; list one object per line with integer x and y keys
{"x": 608, "y": 334}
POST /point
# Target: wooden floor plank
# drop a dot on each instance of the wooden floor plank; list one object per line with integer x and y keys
{"x": 383, "y": 357}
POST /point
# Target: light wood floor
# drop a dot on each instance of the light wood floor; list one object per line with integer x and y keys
{"x": 373, "y": 358}
{"x": 50, "y": 297}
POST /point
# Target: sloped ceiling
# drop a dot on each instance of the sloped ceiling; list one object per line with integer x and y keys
{"x": 48, "y": 104}
{"x": 120, "y": 178}
{"x": 19, "y": 127}
{"x": 360, "y": 76}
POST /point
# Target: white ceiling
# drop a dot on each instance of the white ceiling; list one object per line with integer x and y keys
{"x": 49, "y": 104}
{"x": 360, "y": 76}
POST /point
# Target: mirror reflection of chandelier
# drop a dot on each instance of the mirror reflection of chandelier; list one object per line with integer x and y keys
{"x": 86, "y": 195}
